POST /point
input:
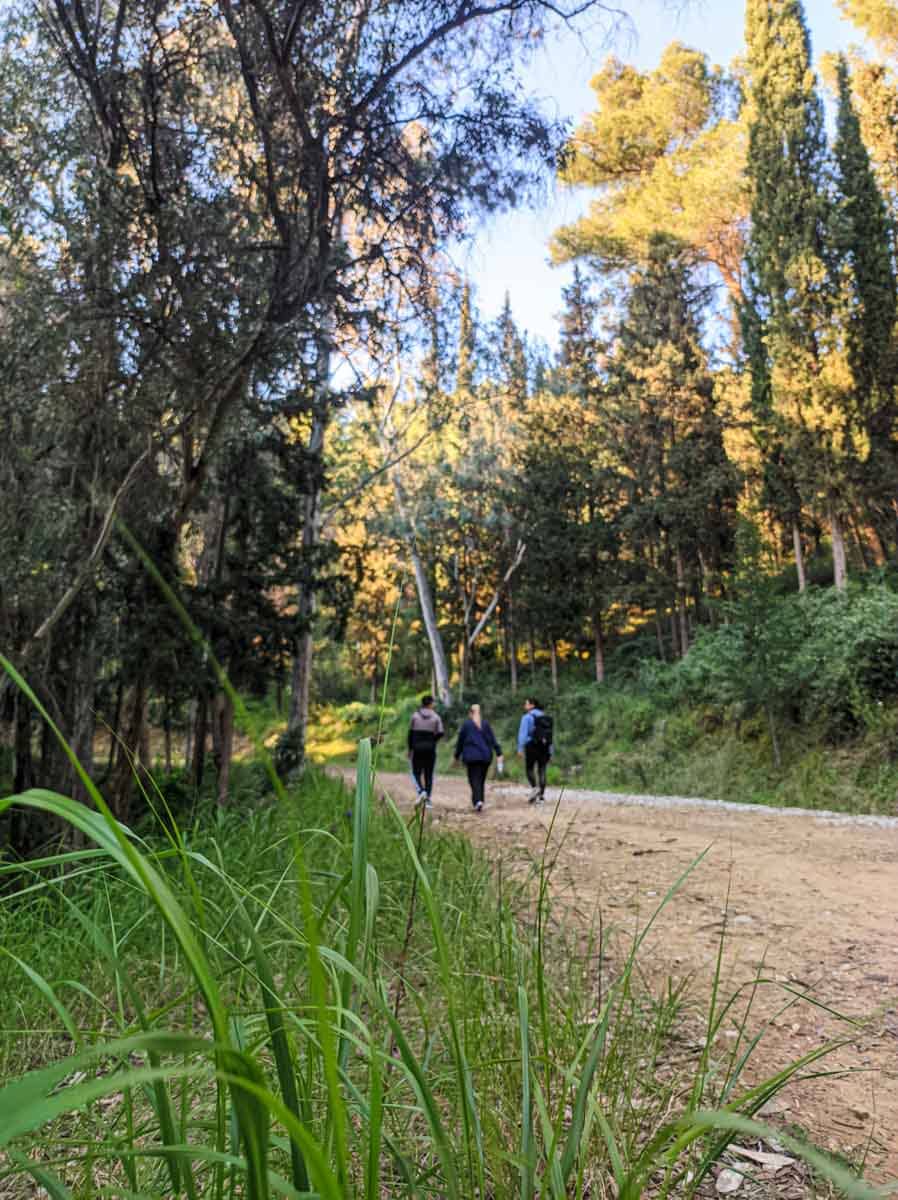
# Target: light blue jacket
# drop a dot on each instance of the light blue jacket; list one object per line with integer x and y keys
{"x": 525, "y": 729}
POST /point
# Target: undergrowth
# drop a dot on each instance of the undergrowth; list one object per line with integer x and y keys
{"x": 317, "y": 999}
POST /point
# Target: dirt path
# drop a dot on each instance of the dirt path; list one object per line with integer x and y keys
{"x": 815, "y": 898}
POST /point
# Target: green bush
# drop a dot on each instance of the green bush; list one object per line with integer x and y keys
{"x": 822, "y": 657}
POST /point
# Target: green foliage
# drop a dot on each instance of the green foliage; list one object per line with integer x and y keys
{"x": 831, "y": 659}
{"x": 665, "y": 156}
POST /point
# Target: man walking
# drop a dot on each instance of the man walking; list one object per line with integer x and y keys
{"x": 535, "y": 744}
{"x": 424, "y": 732}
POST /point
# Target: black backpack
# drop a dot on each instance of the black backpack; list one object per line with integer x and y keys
{"x": 542, "y": 731}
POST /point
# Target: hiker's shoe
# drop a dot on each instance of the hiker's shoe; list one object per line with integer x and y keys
{"x": 534, "y": 796}
{"x": 478, "y": 807}
{"x": 420, "y": 798}
{"x": 428, "y": 803}
{"x": 540, "y": 799}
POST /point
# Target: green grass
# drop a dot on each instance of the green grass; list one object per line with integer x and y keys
{"x": 316, "y": 998}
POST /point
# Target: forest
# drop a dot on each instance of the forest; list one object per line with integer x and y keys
{"x": 270, "y": 470}
{"x": 232, "y": 326}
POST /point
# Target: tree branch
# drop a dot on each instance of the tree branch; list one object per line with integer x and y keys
{"x": 519, "y": 553}
{"x": 84, "y": 573}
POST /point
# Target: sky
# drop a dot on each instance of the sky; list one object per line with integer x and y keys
{"x": 509, "y": 253}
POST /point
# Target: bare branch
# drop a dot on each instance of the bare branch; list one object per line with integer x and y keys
{"x": 519, "y": 553}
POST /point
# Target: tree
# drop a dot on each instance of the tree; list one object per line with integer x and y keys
{"x": 273, "y": 165}
{"x": 665, "y": 432}
{"x": 863, "y": 243}
{"x": 878, "y": 19}
{"x": 785, "y": 305}
{"x": 666, "y": 151}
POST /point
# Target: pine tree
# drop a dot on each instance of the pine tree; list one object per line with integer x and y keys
{"x": 512, "y": 356}
{"x": 667, "y": 435}
{"x": 464, "y": 378}
{"x": 579, "y": 345}
{"x": 785, "y": 263}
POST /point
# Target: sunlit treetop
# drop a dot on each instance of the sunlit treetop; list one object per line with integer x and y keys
{"x": 665, "y": 151}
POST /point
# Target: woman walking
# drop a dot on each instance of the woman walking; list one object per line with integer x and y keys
{"x": 474, "y": 747}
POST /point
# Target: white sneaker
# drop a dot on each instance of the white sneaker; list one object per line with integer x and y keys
{"x": 478, "y": 807}
{"x": 428, "y": 803}
{"x": 534, "y": 796}
{"x": 419, "y": 799}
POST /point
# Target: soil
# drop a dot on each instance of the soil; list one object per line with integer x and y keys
{"x": 813, "y": 906}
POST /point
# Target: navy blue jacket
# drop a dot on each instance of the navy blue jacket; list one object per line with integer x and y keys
{"x": 476, "y": 745}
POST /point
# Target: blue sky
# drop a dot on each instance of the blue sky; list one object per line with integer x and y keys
{"x": 510, "y": 253}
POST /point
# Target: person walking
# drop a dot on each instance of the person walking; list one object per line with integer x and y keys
{"x": 535, "y": 744}
{"x": 474, "y": 747}
{"x": 424, "y": 731}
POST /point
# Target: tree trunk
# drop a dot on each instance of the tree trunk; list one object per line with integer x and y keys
{"x": 512, "y": 647}
{"x": 774, "y": 740}
{"x": 121, "y": 782}
{"x": 197, "y": 767}
{"x": 188, "y": 734}
{"x": 83, "y": 684}
{"x": 681, "y": 604}
{"x": 144, "y": 752}
{"x": 166, "y": 728}
{"x": 840, "y": 560}
{"x": 863, "y": 546}
{"x": 441, "y": 685}
{"x": 553, "y": 658}
{"x": 24, "y": 760}
{"x": 307, "y": 602}
{"x": 226, "y": 746}
{"x": 115, "y": 726}
{"x": 599, "y": 645}
{"x": 659, "y": 632}
{"x": 799, "y": 555}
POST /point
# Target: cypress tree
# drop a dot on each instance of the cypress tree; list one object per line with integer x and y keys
{"x": 785, "y": 260}
{"x": 863, "y": 242}
{"x": 512, "y": 356}
{"x": 464, "y": 379}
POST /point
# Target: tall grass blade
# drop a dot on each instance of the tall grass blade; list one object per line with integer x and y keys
{"x": 49, "y": 995}
{"x": 527, "y": 1152}
{"x": 358, "y": 904}
{"x": 470, "y": 1117}
{"x": 52, "y": 1184}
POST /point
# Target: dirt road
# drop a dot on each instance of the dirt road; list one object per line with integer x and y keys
{"x": 814, "y": 898}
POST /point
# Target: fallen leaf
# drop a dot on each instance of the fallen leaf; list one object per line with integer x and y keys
{"x": 728, "y": 1181}
{"x": 770, "y": 1162}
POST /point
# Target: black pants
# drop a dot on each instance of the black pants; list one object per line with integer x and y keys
{"x": 423, "y": 763}
{"x": 477, "y": 779}
{"x": 536, "y": 760}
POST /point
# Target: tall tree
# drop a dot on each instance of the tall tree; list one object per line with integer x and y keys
{"x": 666, "y": 428}
{"x": 291, "y": 158}
{"x": 786, "y": 277}
{"x": 863, "y": 242}
{"x": 666, "y": 152}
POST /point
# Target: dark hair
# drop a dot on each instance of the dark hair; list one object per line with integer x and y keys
{"x": 533, "y": 700}
{"x": 426, "y": 700}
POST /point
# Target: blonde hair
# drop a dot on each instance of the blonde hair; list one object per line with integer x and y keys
{"x": 475, "y": 715}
